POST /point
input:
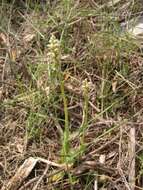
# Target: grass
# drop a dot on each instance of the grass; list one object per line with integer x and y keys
{"x": 70, "y": 89}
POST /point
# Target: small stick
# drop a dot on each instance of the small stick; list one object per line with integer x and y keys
{"x": 95, "y": 184}
{"x": 132, "y": 143}
{"x": 40, "y": 179}
{"x": 29, "y": 183}
{"x": 50, "y": 163}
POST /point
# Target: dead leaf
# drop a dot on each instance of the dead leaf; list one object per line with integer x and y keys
{"x": 57, "y": 177}
{"x": 22, "y": 173}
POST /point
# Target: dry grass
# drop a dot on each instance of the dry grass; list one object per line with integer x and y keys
{"x": 72, "y": 100}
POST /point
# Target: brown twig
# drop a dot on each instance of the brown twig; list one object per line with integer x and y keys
{"x": 29, "y": 183}
{"x": 105, "y": 145}
{"x": 40, "y": 179}
{"x": 132, "y": 153}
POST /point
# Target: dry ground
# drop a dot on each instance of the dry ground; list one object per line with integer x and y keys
{"x": 71, "y": 92}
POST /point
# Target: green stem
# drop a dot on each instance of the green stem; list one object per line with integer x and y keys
{"x": 65, "y": 148}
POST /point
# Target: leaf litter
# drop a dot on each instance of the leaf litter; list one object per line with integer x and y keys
{"x": 32, "y": 120}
